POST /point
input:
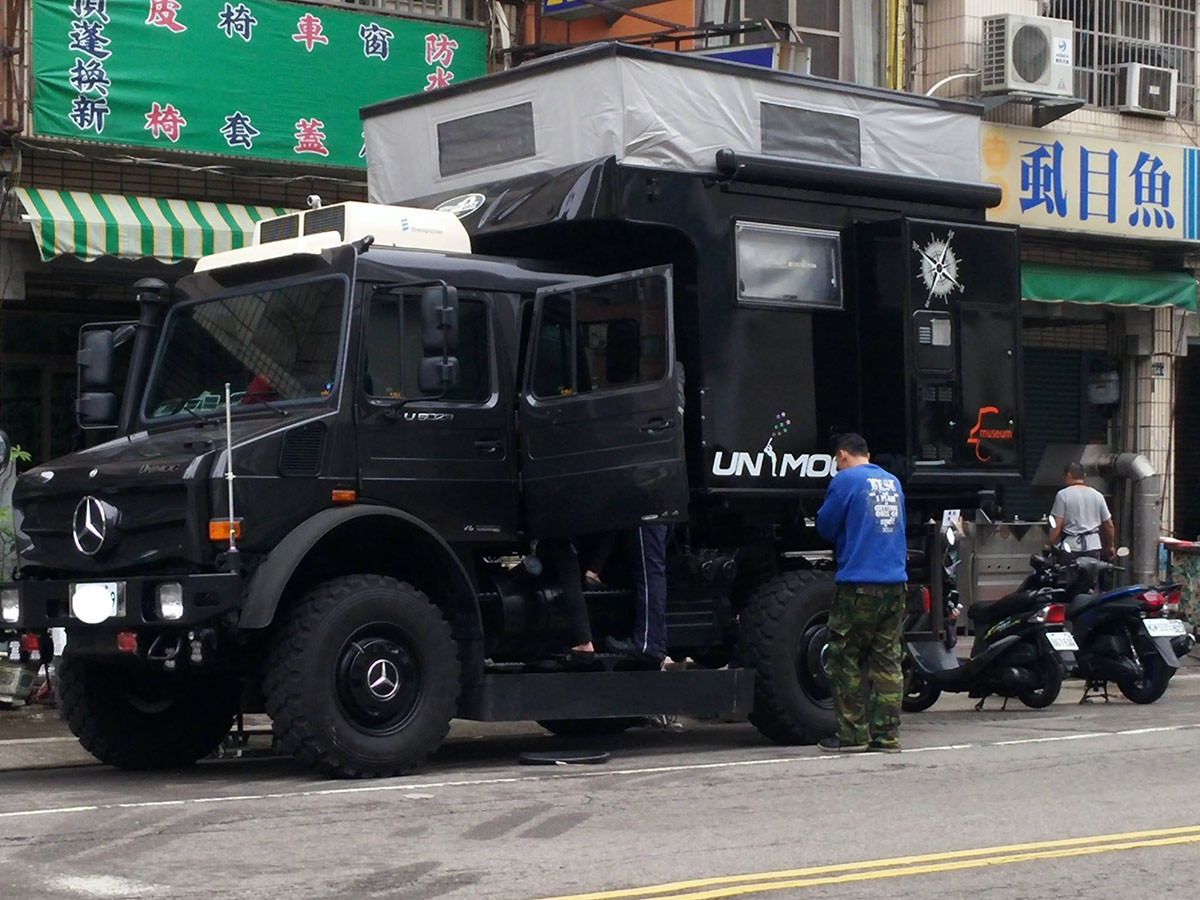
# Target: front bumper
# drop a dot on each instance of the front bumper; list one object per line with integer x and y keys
{"x": 46, "y": 603}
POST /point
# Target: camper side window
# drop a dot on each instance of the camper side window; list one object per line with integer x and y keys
{"x": 788, "y": 267}
{"x": 601, "y": 338}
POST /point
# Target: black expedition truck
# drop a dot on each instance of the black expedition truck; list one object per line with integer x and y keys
{"x": 416, "y": 395}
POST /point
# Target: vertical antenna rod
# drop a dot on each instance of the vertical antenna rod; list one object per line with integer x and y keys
{"x": 229, "y": 465}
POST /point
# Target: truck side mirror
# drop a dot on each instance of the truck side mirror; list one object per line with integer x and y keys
{"x": 5, "y": 449}
{"x": 438, "y": 374}
{"x": 97, "y": 409}
{"x": 439, "y": 320}
{"x": 95, "y": 359}
{"x": 97, "y": 406}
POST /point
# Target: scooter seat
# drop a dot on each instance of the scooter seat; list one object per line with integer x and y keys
{"x": 990, "y": 613}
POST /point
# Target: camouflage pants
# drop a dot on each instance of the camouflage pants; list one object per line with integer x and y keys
{"x": 864, "y": 662}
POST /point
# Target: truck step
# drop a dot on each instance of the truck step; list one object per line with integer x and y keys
{"x": 520, "y": 696}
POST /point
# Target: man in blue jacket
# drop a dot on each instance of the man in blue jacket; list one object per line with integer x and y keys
{"x": 863, "y": 517}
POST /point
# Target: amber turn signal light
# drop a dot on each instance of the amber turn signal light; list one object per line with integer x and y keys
{"x": 219, "y": 529}
{"x": 344, "y": 496}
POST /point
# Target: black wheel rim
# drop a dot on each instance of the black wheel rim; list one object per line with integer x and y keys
{"x": 812, "y": 661}
{"x": 378, "y": 679}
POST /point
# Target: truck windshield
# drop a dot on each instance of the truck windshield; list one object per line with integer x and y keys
{"x": 271, "y": 346}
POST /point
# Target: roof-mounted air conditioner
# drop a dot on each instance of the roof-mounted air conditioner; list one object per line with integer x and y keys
{"x": 1028, "y": 55}
{"x": 1148, "y": 90}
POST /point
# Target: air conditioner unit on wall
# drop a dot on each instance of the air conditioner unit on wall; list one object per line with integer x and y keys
{"x": 1028, "y": 55}
{"x": 1149, "y": 90}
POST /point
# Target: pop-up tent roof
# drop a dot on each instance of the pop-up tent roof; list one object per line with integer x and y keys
{"x": 657, "y": 109}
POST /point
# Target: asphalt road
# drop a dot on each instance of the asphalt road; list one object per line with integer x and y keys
{"x": 1072, "y": 801}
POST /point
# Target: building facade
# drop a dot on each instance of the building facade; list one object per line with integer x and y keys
{"x": 1101, "y": 179}
{"x": 136, "y": 135}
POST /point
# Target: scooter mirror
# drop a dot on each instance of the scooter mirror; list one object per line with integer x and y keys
{"x": 951, "y": 537}
{"x": 1051, "y": 521}
{"x": 1122, "y": 552}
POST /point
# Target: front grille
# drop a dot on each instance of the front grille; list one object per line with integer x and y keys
{"x": 328, "y": 218}
{"x": 279, "y": 229}
{"x": 300, "y": 455}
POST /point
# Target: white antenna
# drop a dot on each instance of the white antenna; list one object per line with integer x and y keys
{"x": 229, "y": 465}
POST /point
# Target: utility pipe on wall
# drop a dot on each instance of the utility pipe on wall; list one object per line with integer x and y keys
{"x": 1146, "y": 506}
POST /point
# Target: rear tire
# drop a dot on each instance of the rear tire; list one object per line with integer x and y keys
{"x": 138, "y": 718}
{"x": 1153, "y": 684}
{"x": 362, "y": 678}
{"x": 919, "y": 694}
{"x": 1052, "y": 675}
{"x": 588, "y": 727}
{"x": 783, "y": 639}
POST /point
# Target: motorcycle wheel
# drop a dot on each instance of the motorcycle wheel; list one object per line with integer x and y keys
{"x": 919, "y": 694}
{"x": 1052, "y": 681}
{"x": 1156, "y": 675}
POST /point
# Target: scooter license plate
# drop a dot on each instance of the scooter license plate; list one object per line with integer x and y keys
{"x": 1164, "y": 627}
{"x": 1061, "y": 640}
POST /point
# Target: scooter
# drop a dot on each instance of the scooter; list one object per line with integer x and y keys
{"x": 1123, "y": 635}
{"x": 1020, "y": 650}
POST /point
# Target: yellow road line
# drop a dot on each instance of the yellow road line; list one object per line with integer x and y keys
{"x": 737, "y": 885}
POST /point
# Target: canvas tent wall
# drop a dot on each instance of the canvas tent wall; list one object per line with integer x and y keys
{"x": 655, "y": 109}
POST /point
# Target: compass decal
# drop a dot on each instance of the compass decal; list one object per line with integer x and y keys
{"x": 939, "y": 268}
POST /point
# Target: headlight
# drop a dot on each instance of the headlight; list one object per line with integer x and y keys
{"x": 10, "y": 605}
{"x": 170, "y": 601}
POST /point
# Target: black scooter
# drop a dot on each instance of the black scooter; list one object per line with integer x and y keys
{"x": 1122, "y": 634}
{"x": 1020, "y": 650}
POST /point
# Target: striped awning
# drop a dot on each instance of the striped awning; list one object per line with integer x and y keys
{"x": 88, "y": 226}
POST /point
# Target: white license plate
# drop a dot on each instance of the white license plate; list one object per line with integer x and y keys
{"x": 1164, "y": 627}
{"x": 1061, "y": 640}
{"x": 95, "y": 602}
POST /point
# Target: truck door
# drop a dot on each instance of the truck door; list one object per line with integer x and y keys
{"x": 600, "y": 417}
{"x": 448, "y": 461}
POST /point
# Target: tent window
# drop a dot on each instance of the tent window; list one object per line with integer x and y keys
{"x": 808, "y": 134}
{"x": 485, "y": 139}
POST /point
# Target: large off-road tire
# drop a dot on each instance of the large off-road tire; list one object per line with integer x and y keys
{"x": 1156, "y": 675}
{"x": 783, "y": 638}
{"x": 919, "y": 693}
{"x": 1052, "y": 682}
{"x": 362, "y": 678}
{"x": 135, "y": 717}
{"x": 589, "y": 727}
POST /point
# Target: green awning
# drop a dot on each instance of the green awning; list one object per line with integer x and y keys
{"x": 1062, "y": 284}
{"x": 74, "y": 223}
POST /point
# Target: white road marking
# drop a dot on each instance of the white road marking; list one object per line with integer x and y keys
{"x": 100, "y": 885}
{"x": 413, "y": 789}
{"x": 42, "y": 740}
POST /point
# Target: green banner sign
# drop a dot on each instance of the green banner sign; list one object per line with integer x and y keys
{"x": 249, "y": 78}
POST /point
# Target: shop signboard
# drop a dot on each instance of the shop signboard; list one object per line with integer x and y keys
{"x": 1145, "y": 190}
{"x": 582, "y": 9}
{"x": 262, "y": 79}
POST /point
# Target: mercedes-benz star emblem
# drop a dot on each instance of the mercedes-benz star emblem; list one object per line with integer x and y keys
{"x": 90, "y": 526}
{"x": 383, "y": 679}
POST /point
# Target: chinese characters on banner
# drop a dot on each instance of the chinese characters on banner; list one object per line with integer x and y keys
{"x": 276, "y": 79}
{"x": 1093, "y": 184}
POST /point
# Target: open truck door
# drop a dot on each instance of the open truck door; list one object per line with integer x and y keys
{"x": 600, "y": 417}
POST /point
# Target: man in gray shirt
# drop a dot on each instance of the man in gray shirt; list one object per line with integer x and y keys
{"x": 1083, "y": 523}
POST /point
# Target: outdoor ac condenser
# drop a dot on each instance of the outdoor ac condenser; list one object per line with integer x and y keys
{"x": 1148, "y": 90}
{"x": 1028, "y": 55}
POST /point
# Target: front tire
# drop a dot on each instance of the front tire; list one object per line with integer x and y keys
{"x": 784, "y": 639}
{"x": 1156, "y": 675}
{"x": 142, "y": 719}
{"x": 1052, "y": 682}
{"x": 362, "y": 678}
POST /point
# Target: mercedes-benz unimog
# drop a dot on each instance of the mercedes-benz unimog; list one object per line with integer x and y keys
{"x": 408, "y": 394}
